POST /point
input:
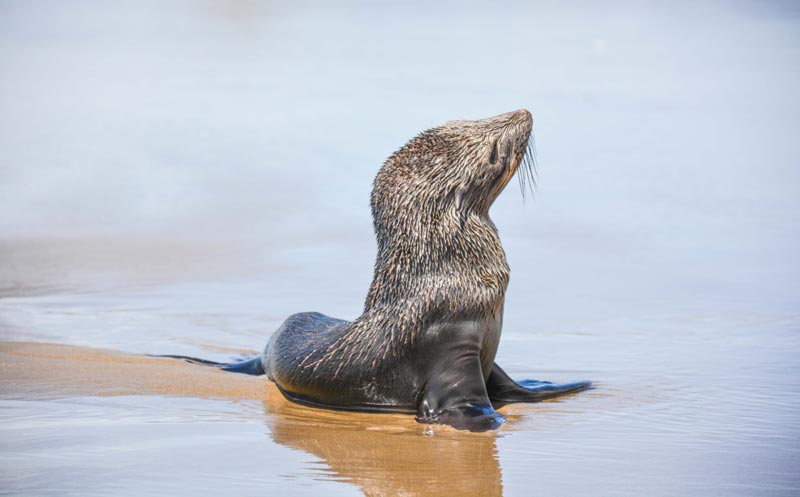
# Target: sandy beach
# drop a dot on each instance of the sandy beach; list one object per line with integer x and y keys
{"x": 56, "y": 370}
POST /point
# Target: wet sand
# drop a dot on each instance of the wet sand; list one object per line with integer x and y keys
{"x": 57, "y": 370}
{"x": 129, "y": 424}
{"x": 685, "y": 404}
{"x": 383, "y": 454}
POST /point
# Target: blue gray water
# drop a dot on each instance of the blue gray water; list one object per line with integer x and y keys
{"x": 177, "y": 177}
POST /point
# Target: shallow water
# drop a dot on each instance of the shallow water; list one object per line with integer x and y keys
{"x": 178, "y": 178}
{"x": 684, "y": 404}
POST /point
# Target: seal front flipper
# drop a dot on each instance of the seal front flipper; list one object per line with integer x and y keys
{"x": 504, "y": 390}
{"x": 455, "y": 395}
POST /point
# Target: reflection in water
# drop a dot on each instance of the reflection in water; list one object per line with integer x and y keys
{"x": 384, "y": 454}
{"x": 391, "y": 454}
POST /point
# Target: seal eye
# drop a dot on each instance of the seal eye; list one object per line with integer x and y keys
{"x": 493, "y": 157}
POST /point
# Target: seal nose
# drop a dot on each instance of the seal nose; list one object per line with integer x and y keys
{"x": 523, "y": 116}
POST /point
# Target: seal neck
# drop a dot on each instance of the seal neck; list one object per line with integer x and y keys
{"x": 440, "y": 261}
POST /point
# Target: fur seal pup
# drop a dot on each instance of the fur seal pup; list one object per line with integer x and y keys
{"x": 428, "y": 336}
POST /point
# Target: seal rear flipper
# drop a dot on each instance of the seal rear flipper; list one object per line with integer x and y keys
{"x": 504, "y": 390}
{"x": 252, "y": 366}
{"x": 193, "y": 360}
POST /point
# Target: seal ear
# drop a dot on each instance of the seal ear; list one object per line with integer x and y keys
{"x": 493, "y": 157}
{"x": 459, "y": 203}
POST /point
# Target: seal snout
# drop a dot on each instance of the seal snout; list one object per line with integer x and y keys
{"x": 523, "y": 116}
{"x": 519, "y": 127}
{"x": 524, "y": 122}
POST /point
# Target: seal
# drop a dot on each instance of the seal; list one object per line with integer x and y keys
{"x": 427, "y": 338}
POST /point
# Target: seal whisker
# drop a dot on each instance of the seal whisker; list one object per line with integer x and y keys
{"x": 532, "y": 153}
{"x": 521, "y": 179}
{"x": 527, "y": 171}
{"x": 529, "y": 168}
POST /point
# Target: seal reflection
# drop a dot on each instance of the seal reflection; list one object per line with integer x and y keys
{"x": 390, "y": 454}
{"x": 384, "y": 454}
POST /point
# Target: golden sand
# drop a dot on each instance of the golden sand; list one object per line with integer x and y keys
{"x": 384, "y": 454}
{"x": 47, "y": 369}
